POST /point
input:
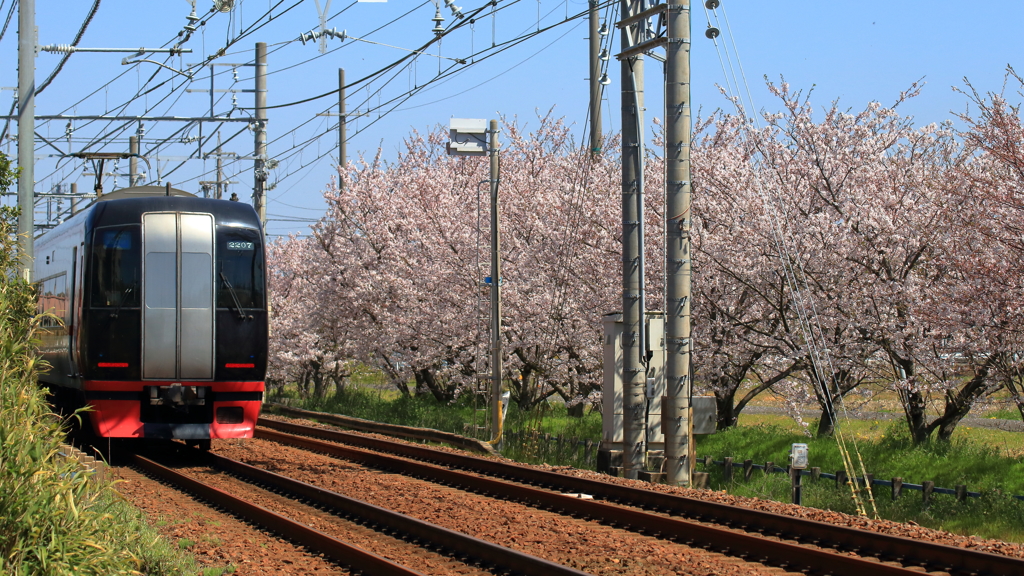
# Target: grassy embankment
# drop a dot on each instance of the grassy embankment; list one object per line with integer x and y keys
{"x": 54, "y": 518}
{"x": 987, "y": 461}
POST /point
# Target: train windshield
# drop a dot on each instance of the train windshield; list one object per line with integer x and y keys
{"x": 240, "y": 276}
{"x": 116, "y": 264}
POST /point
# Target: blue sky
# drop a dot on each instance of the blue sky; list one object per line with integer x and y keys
{"x": 854, "y": 51}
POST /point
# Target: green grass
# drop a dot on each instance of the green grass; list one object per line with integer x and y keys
{"x": 1003, "y": 414}
{"x": 888, "y": 453}
{"x": 466, "y": 416}
{"x": 386, "y": 406}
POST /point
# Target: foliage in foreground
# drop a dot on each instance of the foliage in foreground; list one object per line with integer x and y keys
{"x": 53, "y": 519}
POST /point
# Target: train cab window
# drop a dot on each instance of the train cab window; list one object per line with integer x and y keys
{"x": 116, "y": 264}
{"x": 239, "y": 272}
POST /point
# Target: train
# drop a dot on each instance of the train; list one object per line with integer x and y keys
{"x": 153, "y": 312}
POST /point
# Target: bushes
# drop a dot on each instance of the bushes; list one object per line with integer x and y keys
{"x": 52, "y": 519}
{"x": 49, "y": 521}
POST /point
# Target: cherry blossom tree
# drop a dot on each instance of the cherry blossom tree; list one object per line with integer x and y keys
{"x": 398, "y": 264}
{"x": 988, "y": 266}
{"x": 831, "y": 249}
{"x": 869, "y": 198}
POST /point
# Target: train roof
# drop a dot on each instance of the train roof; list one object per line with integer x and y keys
{"x": 130, "y": 210}
{"x": 127, "y": 205}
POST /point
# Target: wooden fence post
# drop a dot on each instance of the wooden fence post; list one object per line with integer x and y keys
{"x": 727, "y": 468}
{"x": 961, "y": 492}
{"x": 840, "y": 478}
{"x": 869, "y": 482}
{"x": 816, "y": 473}
{"x": 927, "y": 487}
{"x": 769, "y": 467}
{"x": 897, "y": 488}
{"x": 748, "y": 469}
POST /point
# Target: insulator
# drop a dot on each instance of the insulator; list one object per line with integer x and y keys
{"x": 58, "y": 48}
{"x": 711, "y": 4}
{"x": 712, "y": 32}
{"x": 437, "y": 19}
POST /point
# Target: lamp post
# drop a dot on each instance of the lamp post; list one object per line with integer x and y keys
{"x": 472, "y": 137}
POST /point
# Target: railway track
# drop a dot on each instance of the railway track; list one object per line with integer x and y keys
{"x": 423, "y": 534}
{"x": 795, "y": 544}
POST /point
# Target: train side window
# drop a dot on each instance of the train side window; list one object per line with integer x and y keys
{"x": 52, "y": 299}
{"x": 116, "y": 263}
{"x": 240, "y": 266}
{"x": 60, "y": 297}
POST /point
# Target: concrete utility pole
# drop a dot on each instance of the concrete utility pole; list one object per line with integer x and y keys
{"x": 220, "y": 171}
{"x": 595, "y": 80}
{"x": 634, "y": 378}
{"x": 133, "y": 160}
{"x": 26, "y": 132}
{"x": 342, "y": 120}
{"x": 677, "y": 409}
{"x": 260, "y": 152}
{"x": 495, "y": 285}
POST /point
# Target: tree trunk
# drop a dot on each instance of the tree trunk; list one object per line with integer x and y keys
{"x": 425, "y": 379}
{"x": 826, "y": 423}
{"x": 917, "y": 420}
{"x": 960, "y": 402}
{"x": 724, "y": 400}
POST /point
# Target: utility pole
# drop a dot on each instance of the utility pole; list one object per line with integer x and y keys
{"x": 634, "y": 378}
{"x": 26, "y": 132}
{"x": 677, "y": 409}
{"x": 133, "y": 160}
{"x": 219, "y": 186}
{"x": 595, "y": 81}
{"x": 342, "y": 120}
{"x": 260, "y": 152}
{"x": 496, "y": 369}
{"x": 220, "y": 171}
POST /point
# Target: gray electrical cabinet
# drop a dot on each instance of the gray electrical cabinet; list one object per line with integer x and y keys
{"x": 610, "y": 451}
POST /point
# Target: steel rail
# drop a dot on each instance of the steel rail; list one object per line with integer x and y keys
{"x": 906, "y": 551}
{"x": 752, "y": 547}
{"x": 343, "y": 552}
{"x": 504, "y": 558}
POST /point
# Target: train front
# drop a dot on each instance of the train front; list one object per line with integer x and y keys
{"x": 174, "y": 319}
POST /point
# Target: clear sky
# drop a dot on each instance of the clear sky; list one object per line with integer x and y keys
{"x": 854, "y": 51}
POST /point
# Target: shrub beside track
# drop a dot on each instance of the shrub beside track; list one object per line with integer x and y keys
{"x": 53, "y": 519}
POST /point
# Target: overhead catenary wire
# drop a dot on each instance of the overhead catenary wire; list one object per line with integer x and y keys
{"x": 115, "y": 131}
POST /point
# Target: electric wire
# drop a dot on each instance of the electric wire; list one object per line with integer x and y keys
{"x": 7, "y": 21}
{"x": 805, "y": 307}
{"x": 78, "y": 38}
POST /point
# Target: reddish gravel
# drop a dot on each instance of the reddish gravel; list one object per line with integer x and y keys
{"x": 908, "y": 530}
{"x": 393, "y": 549}
{"x": 584, "y": 545}
{"x": 219, "y": 539}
